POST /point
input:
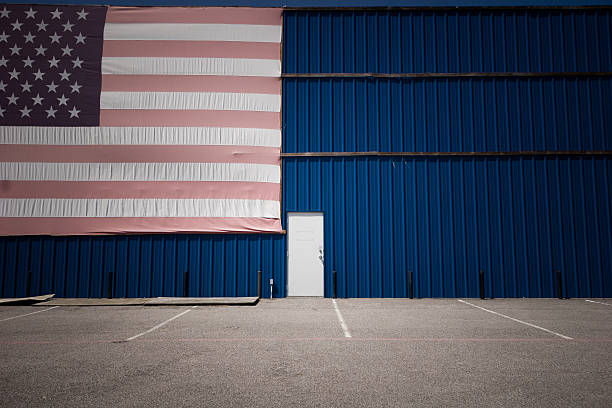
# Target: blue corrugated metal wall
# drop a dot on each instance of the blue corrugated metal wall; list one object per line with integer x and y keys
{"x": 142, "y": 265}
{"x": 457, "y": 41}
{"x": 447, "y": 115}
{"x": 519, "y": 219}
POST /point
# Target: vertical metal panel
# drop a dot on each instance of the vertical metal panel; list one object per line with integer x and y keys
{"x": 142, "y": 265}
{"x": 517, "y": 219}
{"x": 443, "y": 41}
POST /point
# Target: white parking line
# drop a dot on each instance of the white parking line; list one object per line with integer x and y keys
{"x": 345, "y": 329}
{"x": 28, "y": 314}
{"x": 159, "y": 325}
{"x": 601, "y": 303}
{"x": 517, "y": 320}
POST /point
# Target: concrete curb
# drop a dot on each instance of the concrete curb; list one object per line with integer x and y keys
{"x": 25, "y": 301}
{"x": 159, "y": 301}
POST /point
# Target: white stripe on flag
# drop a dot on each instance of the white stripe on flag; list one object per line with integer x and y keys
{"x": 190, "y": 66}
{"x": 191, "y": 100}
{"x": 139, "y": 136}
{"x": 264, "y": 173}
{"x": 137, "y": 207}
{"x": 193, "y": 32}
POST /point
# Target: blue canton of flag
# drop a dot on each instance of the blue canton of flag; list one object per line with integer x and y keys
{"x": 50, "y": 60}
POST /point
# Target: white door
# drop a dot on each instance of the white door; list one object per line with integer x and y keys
{"x": 305, "y": 254}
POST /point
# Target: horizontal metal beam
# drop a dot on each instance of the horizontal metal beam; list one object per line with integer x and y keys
{"x": 444, "y": 75}
{"x": 455, "y": 9}
{"x": 450, "y": 154}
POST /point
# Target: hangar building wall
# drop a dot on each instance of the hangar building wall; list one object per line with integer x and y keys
{"x": 437, "y": 141}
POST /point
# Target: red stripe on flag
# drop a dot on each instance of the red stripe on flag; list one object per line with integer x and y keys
{"x": 196, "y": 49}
{"x": 106, "y": 226}
{"x": 196, "y": 15}
{"x": 191, "y": 83}
{"x": 189, "y": 118}
{"x": 140, "y": 189}
{"x": 139, "y": 154}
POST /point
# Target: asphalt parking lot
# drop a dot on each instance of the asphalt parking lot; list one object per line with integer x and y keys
{"x": 311, "y": 352}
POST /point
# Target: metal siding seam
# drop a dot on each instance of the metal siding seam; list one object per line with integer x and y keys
{"x": 550, "y": 288}
{"x": 453, "y": 260}
{"x": 587, "y": 292}
{"x": 34, "y": 265}
{"x": 134, "y": 271}
{"x": 441, "y": 271}
{"x": 85, "y": 270}
{"x": 428, "y": 234}
{"x": 537, "y": 223}
{"x": 21, "y": 259}
{"x": 466, "y": 290}
{"x": 59, "y": 267}
{"x": 352, "y": 208}
{"x": 232, "y": 254}
{"x": 388, "y": 280}
{"x": 71, "y": 277}
{"x": 415, "y": 229}
{"x": 607, "y": 164}
{"x": 3, "y": 245}
{"x": 489, "y": 265}
{"x": 9, "y": 267}
{"x": 597, "y": 237}
{"x": 575, "y": 282}
{"x": 168, "y": 270}
{"x": 96, "y": 267}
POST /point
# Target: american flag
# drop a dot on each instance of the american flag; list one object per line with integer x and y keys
{"x": 116, "y": 120}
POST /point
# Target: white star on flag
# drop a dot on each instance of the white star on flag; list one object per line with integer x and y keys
{"x": 25, "y": 112}
{"x": 40, "y": 50}
{"x": 17, "y": 25}
{"x": 2, "y": 86}
{"x": 68, "y": 26}
{"x": 82, "y": 14}
{"x": 15, "y": 50}
{"x": 38, "y": 99}
{"x": 55, "y": 38}
{"x": 42, "y": 26}
{"x": 56, "y": 13}
{"x": 4, "y": 13}
{"x": 4, "y": 37}
{"x": 76, "y": 87}
{"x": 29, "y": 37}
{"x": 38, "y": 75}
{"x": 30, "y": 13}
{"x": 14, "y": 74}
{"x": 26, "y": 87}
{"x": 80, "y": 39}
{"x": 53, "y": 62}
{"x": 51, "y": 112}
{"x": 65, "y": 76}
{"x": 52, "y": 87}
{"x": 74, "y": 113}
{"x": 66, "y": 50}
{"x": 76, "y": 63}
{"x": 27, "y": 62}
{"x": 3, "y": 61}
{"x": 12, "y": 100}
{"x": 62, "y": 101}
{"x": 1, "y": 112}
